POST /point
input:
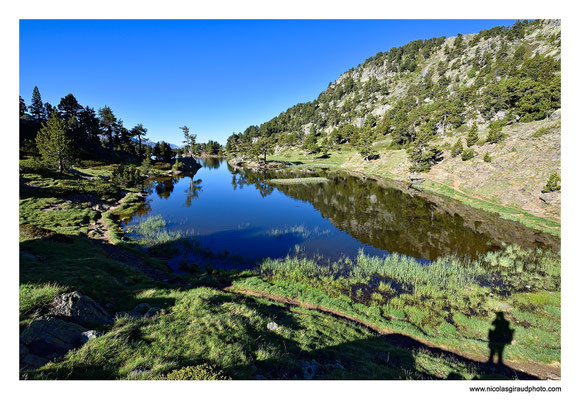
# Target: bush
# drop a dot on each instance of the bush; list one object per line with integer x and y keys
{"x": 467, "y": 154}
{"x": 126, "y": 176}
{"x": 178, "y": 166}
{"x": 553, "y": 183}
{"x": 202, "y": 372}
{"x": 487, "y": 157}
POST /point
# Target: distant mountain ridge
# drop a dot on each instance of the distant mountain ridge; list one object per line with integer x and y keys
{"x": 152, "y": 144}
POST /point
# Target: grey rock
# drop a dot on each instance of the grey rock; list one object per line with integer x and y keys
{"x": 272, "y": 326}
{"x": 137, "y": 372}
{"x": 416, "y": 178}
{"x": 90, "y": 335}
{"x": 549, "y": 197}
{"x": 50, "y": 337}
{"x": 309, "y": 369}
{"x": 556, "y": 115}
{"x": 79, "y": 308}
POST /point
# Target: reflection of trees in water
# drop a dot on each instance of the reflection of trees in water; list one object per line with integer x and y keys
{"x": 383, "y": 217}
{"x": 258, "y": 178}
{"x": 192, "y": 192}
{"x": 211, "y": 162}
{"x": 390, "y": 219}
{"x": 142, "y": 211}
{"x": 164, "y": 186}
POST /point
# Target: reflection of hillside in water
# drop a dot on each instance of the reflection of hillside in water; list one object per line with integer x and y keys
{"x": 390, "y": 219}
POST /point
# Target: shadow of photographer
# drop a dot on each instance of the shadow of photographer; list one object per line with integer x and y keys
{"x": 499, "y": 337}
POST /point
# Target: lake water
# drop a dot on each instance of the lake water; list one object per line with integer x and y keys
{"x": 237, "y": 211}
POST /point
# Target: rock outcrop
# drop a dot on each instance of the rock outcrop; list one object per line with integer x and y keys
{"x": 79, "y": 308}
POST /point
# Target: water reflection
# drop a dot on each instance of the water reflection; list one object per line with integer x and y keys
{"x": 211, "y": 162}
{"x": 164, "y": 186}
{"x": 193, "y": 190}
{"x": 331, "y": 219}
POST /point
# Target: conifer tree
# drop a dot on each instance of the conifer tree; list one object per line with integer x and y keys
{"x": 472, "y": 136}
{"x": 23, "y": 107}
{"x": 36, "y": 106}
{"x": 139, "y": 131}
{"x": 457, "y": 148}
{"x": 54, "y": 144}
{"x": 495, "y": 134}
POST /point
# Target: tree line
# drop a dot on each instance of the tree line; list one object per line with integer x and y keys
{"x": 69, "y": 131}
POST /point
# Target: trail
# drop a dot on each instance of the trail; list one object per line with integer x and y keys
{"x": 532, "y": 370}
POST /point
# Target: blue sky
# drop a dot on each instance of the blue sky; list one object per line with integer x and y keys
{"x": 216, "y": 76}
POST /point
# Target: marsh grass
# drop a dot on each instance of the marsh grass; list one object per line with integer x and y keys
{"x": 297, "y": 181}
{"x": 450, "y": 300}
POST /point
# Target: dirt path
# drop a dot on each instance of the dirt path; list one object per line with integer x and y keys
{"x": 533, "y": 370}
{"x": 127, "y": 256}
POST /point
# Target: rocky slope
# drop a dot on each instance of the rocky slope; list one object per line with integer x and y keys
{"x": 426, "y": 96}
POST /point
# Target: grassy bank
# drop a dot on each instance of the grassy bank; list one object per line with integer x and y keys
{"x": 389, "y": 167}
{"x": 205, "y": 332}
{"x": 450, "y": 302}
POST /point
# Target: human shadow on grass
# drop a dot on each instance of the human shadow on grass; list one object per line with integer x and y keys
{"x": 390, "y": 356}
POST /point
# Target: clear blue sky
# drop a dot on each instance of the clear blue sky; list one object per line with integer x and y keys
{"x": 216, "y": 76}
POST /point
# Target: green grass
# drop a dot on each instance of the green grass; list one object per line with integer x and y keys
{"x": 226, "y": 334}
{"x": 56, "y": 214}
{"x": 34, "y": 297}
{"x": 510, "y": 213}
{"x": 450, "y": 302}
{"x": 298, "y": 181}
{"x": 205, "y": 332}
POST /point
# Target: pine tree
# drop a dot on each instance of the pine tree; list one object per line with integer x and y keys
{"x": 457, "y": 148}
{"x": 36, "y": 106}
{"x": 189, "y": 140}
{"x": 108, "y": 122}
{"x": 364, "y": 143}
{"x": 553, "y": 183}
{"x": 472, "y": 136}
{"x": 139, "y": 131}
{"x": 23, "y": 107}
{"x": 495, "y": 134}
{"x": 54, "y": 144}
{"x": 69, "y": 107}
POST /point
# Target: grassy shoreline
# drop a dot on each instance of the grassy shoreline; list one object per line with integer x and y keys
{"x": 204, "y": 332}
{"x": 339, "y": 159}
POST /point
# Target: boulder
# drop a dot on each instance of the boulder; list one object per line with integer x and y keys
{"x": 89, "y": 335}
{"x": 309, "y": 369}
{"x": 272, "y": 326}
{"x": 416, "y": 178}
{"x": 49, "y": 337}
{"x": 549, "y": 197}
{"x": 79, "y": 308}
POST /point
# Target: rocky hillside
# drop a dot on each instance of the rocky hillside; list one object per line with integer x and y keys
{"x": 412, "y": 108}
